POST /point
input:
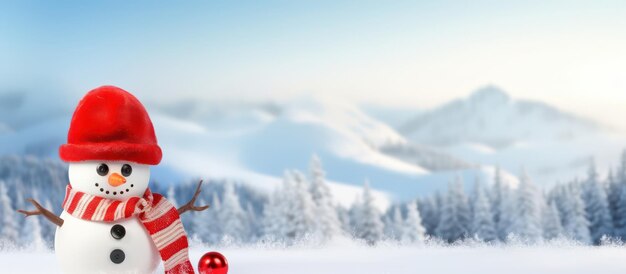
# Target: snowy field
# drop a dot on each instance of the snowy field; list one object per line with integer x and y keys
{"x": 385, "y": 260}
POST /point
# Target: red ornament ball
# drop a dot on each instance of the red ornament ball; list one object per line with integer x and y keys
{"x": 213, "y": 263}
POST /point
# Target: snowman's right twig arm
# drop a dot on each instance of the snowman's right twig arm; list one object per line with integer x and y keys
{"x": 42, "y": 211}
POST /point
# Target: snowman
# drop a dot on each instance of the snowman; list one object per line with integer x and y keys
{"x": 111, "y": 221}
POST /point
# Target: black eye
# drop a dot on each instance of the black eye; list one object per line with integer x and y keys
{"x": 127, "y": 170}
{"x": 103, "y": 169}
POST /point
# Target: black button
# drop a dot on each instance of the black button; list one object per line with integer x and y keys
{"x": 117, "y": 256}
{"x": 118, "y": 231}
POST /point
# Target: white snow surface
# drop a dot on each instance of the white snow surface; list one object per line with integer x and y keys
{"x": 383, "y": 260}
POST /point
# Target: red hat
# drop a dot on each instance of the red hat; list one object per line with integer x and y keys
{"x": 111, "y": 124}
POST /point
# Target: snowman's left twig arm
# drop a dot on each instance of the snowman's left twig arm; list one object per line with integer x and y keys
{"x": 189, "y": 206}
{"x": 42, "y": 211}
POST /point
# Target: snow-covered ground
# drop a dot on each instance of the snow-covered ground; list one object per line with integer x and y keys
{"x": 385, "y": 260}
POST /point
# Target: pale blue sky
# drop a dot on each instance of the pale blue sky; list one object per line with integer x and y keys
{"x": 397, "y": 53}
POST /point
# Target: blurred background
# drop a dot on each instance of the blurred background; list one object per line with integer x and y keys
{"x": 405, "y": 95}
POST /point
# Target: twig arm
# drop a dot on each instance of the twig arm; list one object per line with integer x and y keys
{"x": 189, "y": 206}
{"x": 40, "y": 210}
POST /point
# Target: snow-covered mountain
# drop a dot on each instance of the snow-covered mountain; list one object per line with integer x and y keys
{"x": 353, "y": 146}
{"x": 491, "y": 117}
{"x": 490, "y": 127}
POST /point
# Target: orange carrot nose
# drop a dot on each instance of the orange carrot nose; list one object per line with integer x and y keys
{"x": 116, "y": 180}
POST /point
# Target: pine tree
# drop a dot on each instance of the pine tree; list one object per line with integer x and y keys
{"x": 497, "y": 195}
{"x": 201, "y": 222}
{"x": 231, "y": 216}
{"x": 413, "y": 231}
{"x": 454, "y": 224}
{"x": 344, "y": 218}
{"x": 369, "y": 224}
{"x": 596, "y": 207}
{"x": 503, "y": 207}
{"x": 430, "y": 213}
{"x": 448, "y": 224}
{"x": 253, "y": 223}
{"x": 289, "y": 214}
{"x": 619, "y": 199}
{"x": 274, "y": 215}
{"x": 558, "y": 196}
{"x": 613, "y": 194}
{"x": 355, "y": 216}
{"x": 19, "y": 201}
{"x": 575, "y": 224}
{"x": 620, "y": 213}
{"x": 552, "y": 228}
{"x": 32, "y": 232}
{"x": 301, "y": 221}
{"x": 34, "y": 236}
{"x": 327, "y": 221}
{"x": 483, "y": 226}
{"x": 215, "y": 232}
{"x": 396, "y": 224}
{"x": 528, "y": 218}
{"x": 10, "y": 232}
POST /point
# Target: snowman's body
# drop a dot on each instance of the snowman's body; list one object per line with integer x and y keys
{"x": 84, "y": 247}
{"x": 122, "y": 246}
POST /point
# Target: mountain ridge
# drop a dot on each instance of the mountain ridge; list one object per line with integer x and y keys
{"x": 490, "y": 109}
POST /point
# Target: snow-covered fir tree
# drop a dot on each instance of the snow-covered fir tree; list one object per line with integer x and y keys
{"x": 613, "y": 189}
{"x": 368, "y": 223}
{"x": 572, "y": 208}
{"x": 597, "y": 207}
{"x": 19, "y": 200}
{"x": 618, "y": 199}
{"x": 231, "y": 216}
{"x": 32, "y": 232}
{"x": 455, "y": 219}
{"x": 254, "y": 223}
{"x": 9, "y": 230}
{"x": 300, "y": 203}
{"x": 201, "y": 222}
{"x": 215, "y": 228}
{"x": 326, "y": 219}
{"x": 354, "y": 215}
{"x": 344, "y": 218}
{"x": 395, "y": 224}
{"x": 290, "y": 212}
{"x": 527, "y": 223}
{"x": 620, "y": 213}
{"x": 413, "y": 231}
{"x": 483, "y": 226}
{"x": 275, "y": 214}
{"x": 387, "y": 224}
{"x": 33, "y": 235}
{"x": 503, "y": 206}
{"x": 429, "y": 211}
{"x": 552, "y": 227}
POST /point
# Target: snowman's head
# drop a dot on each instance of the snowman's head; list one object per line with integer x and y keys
{"x": 117, "y": 180}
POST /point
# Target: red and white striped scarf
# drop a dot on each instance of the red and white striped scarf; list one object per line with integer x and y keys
{"x": 158, "y": 216}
